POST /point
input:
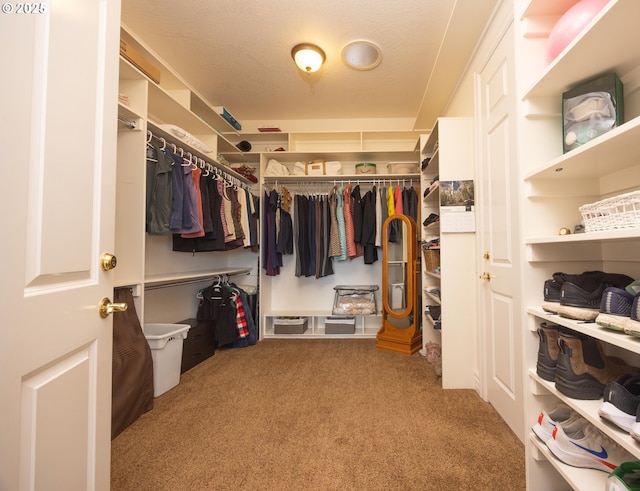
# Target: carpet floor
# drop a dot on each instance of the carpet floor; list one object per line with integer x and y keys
{"x": 329, "y": 414}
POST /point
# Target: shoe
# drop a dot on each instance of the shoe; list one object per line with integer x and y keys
{"x": 615, "y": 308}
{"x": 425, "y": 163}
{"x": 581, "y": 295}
{"x": 626, "y": 477}
{"x": 635, "y": 427}
{"x": 621, "y": 401}
{"x": 551, "y": 293}
{"x": 432, "y": 218}
{"x": 583, "y": 370}
{"x": 434, "y": 312}
{"x": 633, "y": 288}
{"x": 553, "y": 288}
{"x": 547, "y": 351}
{"x": 585, "y": 446}
{"x": 547, "y": 421}
{"x": 432, "y": 352}
{"x": 632, "y": 325}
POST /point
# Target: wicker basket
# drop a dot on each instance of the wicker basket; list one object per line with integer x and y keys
{"x": 431, "y": 259}
{"x": 617, "y": 212}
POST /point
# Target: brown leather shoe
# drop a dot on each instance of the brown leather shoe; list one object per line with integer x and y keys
{"x": 583, "y": 369}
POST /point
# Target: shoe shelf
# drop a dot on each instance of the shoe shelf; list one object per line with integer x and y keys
{"x": 432, "y": 297}
{"x": 580, "y": 479}
{"x": 433, "y": 194}
{"x": 609, "y": 336}
{"x": 588, "y": 409}
{"x": 556, "y": 184}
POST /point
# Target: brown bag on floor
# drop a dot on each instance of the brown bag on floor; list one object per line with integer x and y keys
{"x": 132, "y": 382}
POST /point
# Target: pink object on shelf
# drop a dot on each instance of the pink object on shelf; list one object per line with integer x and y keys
{"x": 572, "y": 22}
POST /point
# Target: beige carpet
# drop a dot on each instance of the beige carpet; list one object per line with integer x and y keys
{"x": 330, "y": 414}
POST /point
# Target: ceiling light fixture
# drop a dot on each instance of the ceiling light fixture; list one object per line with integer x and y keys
{"x": 308, "y": 57}
{"x": 362, "y": 54}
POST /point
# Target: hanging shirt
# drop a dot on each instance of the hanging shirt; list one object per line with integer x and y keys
{"x": 198, "y": 227}
{"x": 334, "y": 244}
{"x": 369, "y": 227}
{"x": 190, "y": 200}
{"x": 397, "y": 197}
{"x": 348, "y": 222}
{"x": 379, "y": 221}
{"x": 341, "y": 225}
{"x": 178, "y": 218}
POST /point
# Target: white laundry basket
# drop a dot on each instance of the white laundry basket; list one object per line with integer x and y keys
{"x": 165, "y": 341}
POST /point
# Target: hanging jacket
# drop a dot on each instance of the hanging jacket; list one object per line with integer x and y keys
{"x": 158, "y": 194}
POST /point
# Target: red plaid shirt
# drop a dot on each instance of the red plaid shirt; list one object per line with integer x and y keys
{"x": 241, "y": 320}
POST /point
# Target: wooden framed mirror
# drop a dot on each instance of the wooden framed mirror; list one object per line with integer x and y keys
{"x": 400, "y": 330}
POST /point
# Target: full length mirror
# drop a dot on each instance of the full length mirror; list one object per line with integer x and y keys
{"x": 400, "y": 330}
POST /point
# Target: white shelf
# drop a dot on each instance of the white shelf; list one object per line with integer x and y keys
{"x": 378, "y": 157}
{"x": 588, "y": 409}
{"x": 622, "y": 235}
{"x": 611, "y": 152}
{"x": 614, "y": 338}
{"x": 608, "y": 43}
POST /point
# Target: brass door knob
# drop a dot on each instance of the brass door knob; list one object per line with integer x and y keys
{"x": 108, "y": 261}
{"x": 105, "y": 307}
{"x": 485, "y": 276}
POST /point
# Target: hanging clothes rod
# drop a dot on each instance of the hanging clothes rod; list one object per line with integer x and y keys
{"x": 200, "y": 279}
{"x": 193, "y": 157}
{"x": 275, "y": 181}
{"x": 128, "y": 123}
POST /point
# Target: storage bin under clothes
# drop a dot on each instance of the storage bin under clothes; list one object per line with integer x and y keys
{"x": 355, "y": 300}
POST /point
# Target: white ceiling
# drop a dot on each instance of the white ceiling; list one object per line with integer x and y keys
{"x": 237, "y": 54}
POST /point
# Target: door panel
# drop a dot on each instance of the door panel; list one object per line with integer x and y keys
{"x": 499, "y": 295}
{"x": 58, "y": 190}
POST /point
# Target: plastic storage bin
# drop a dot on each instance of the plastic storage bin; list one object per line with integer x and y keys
{"x": 355, "y": 300}
{"x": 165, "y": 341}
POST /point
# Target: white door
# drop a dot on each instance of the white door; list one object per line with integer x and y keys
{"x": 58, "y": 144}
{"x": 501, "y": 330}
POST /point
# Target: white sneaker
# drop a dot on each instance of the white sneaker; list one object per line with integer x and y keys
{"x": 547, "y": 421}
{"x": 585, "y": 446}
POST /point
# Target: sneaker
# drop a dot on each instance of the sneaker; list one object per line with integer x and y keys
{"x": 626, "y": 477}
{"x": 547, "y": 421}
{"x": 621, "y": 400}
{"x": 632, "y": 325}
{"x": 615, "y": 308}
{"x": 635, "y": 427}
{"x": 585, "y": 446}
{"x": 581, "y": 295}
{"x": 633, "y": 288}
